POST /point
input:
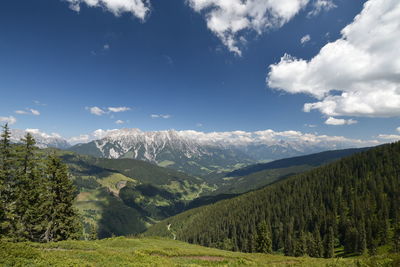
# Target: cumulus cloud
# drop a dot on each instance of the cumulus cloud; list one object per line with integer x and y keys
{"x": 95, "y": 135}
{"x": 305, "y": 39}
{"x": 398, "y": 129}
{"x": 10, "y": 120}
{"x": 28, "y": 111}
{"x": 118, "y": 109}
{"x": 101, "y": 111}
{"x": 358, "y": 74}
{"x": 138, "y": 8}
{"x": 161, "y": 116}
{"x": 83, "y": 138}
{"x": 229, "y": 20}
{"x": 119, "y": 122}
{"x": 96, "y": 111}
{"x": 320, "y": 6}
{"x": 334, "y": 121}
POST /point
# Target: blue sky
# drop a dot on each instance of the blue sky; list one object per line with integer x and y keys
{"x": 173, "y": 65}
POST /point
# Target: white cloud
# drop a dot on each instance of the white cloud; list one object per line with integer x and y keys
{"x": 119, "y": 122}
{"x": 391, "y": 137}
{"x": 37, "y": 132}
{"x": 305, "y": 39}
{"x": 310, "y": 125}
{"x": 138, "y": 8}
{"x": 334, "y": 121}
{"x": 83, "y": 138}
{"x": 28, "y": 111}
{"x": 118, "y": 109}
{"x": 321, "y": 5}
{"x": 10, "y": 120}
{"x": 229, "y": 20}
{"x": 101, "y": 111}
{"x": 162, "y": 116}
{"x": 96, "y": 111}
{"x": 34, "y": 112}
{"x": 106, "y": 47}
{"x": 398, "y": 129}
{"x": 363, "y": 66}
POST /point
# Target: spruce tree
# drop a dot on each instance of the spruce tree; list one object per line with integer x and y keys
{"x": 32, "y": 190}
{"x": 7, "y": 184}
{"x": 61, "y": 218}
{"x": 263, "y": 241}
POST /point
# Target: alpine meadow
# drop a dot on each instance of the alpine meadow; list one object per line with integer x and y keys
{"x": 200, "y": 133}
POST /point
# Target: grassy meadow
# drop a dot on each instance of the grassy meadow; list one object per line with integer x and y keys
{"x": 122, "y": 251}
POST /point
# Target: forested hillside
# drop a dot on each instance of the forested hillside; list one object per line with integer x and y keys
{"x": 259, "y": 175}
{"x": 353, "y": 203}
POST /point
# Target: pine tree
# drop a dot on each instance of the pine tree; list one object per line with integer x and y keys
{"x": 61, "y": 219}
{"x": 263, "y": 241}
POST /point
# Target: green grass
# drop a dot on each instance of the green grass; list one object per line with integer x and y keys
{"x": 123, "y": 251}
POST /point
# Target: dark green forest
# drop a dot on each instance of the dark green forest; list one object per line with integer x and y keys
{"x": 353, "y": 204}
{"x": 36, "y": 194}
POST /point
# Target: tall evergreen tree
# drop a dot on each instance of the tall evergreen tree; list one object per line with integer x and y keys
{"x": 263, "y": 241}
{"x": 61, "y": 218}
{"x": 7, "y": 184}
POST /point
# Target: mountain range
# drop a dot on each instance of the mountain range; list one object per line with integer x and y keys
{"x": 199, "y": 153}
{"x": 193, "y": 152}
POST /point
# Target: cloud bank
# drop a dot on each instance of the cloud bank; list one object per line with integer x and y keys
{"x": 358, "y": 74}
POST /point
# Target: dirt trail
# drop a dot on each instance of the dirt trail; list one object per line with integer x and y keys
{"x": 169, "y": 229}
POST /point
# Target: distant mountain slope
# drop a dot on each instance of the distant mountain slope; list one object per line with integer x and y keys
{"x": 353, "y": 202}
{"x": 199, "y": 153}
{"x": 258, "y": 175}
{"x": 125, "y": 196}
{"x": 43, "y": 140}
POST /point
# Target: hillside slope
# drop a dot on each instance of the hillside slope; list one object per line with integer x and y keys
{"x": 158, "y": 252}
{"x": 259, "y": 175}
{"x": 125, "y": 196}
{"x": 352, "y": 203}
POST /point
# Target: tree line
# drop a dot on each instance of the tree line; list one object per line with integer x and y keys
{"x": 351, "y": 205}
{"x": 36, "y": 194}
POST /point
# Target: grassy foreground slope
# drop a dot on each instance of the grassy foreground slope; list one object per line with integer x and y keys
{"x": 157, "y": 252}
